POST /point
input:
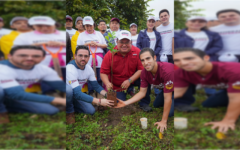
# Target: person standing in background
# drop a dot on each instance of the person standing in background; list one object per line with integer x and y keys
{"x": 133, "y": 31}
{"x": 69, "y": 24}
{"x": 102, "y": 26}
{"x": 167, "y": 35}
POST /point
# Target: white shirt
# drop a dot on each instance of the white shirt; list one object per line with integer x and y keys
{"x": 152, "y": 38}
{"x": 201, "y": 39}
{"x": 4, "y": 31}
{"x": 71, "y": 32}
{"x": 230, "y": 37}
{"x": 116, "y": 35}
{"x": 97, "y": 36}
{"x": 77, "y": 77}
{"x": 167, "y": 35}
{"x": 34, "y": 37}
{"x": 11, "y": 77}
{"x": 134, "y": 40}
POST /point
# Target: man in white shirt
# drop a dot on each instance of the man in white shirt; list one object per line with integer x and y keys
{"x": 167, "y": 35}
{"x": 3, "y": 31}
{"x": 102, "y": 26}
{"x": 133, "y": 31}
{"x": 69, "y": 24}
{"x": 229, "y": 31}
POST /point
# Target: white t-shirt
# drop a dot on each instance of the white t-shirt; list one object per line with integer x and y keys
{"x": 4, "y": 31}
{"x": 134, "y": 40}
{"x": 77, "y": 77}
{"x": 71, "y": 32}
{"x": 201, "y": 39}
{"x": 167, "y": 35}
{"x": 152, "y": 38}
{"x": 11, "y": 77}
{"x": 97, "y": 36}
{"x": 230, "y": 37}
{"x": 34, "y": 37}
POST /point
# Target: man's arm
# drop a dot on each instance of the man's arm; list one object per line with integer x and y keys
{"x": 179, "y": 91}
{"x": 97, "y": 87}
{"x": 134, "y": 77}
{"x": 231, "y": 115}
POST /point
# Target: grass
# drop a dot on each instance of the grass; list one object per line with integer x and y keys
{"x": 198, "y": 136}
{"x": 31, "y": 131}
{"x": 115, "y": 129}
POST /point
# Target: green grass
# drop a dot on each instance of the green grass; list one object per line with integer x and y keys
{"x": 29, "y": 131}
{"x": 119, "y": 129}
{"x": 198, "y": 136}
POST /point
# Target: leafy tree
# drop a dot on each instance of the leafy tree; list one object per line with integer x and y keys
{"x": 181, "y": 14}
{"x": 128, "y": 11}
{"x": 54, "y": 9}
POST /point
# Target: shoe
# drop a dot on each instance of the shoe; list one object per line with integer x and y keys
{"x": 70, "y": 118}
{"x": 186, "y": 108}
{"x": 146, "y": 108}
{"x": 4, "y": 118}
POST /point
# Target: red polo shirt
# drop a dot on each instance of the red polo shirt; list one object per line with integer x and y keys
{"x": 224, "y": 75}
{"x": 123, "y": 66}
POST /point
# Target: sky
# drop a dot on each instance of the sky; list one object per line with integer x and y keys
{"x": 158, "y": 5}
{"x": 212, "y": 6}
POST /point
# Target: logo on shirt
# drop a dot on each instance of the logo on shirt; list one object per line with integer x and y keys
{"x": 160, "y": 86}
{"x": 169, "y": 85}
{"x": 165, "y": 32}
{"x": 5, "y": 81}
{"x": 215, "y": 86}
{"x": 70, "y": 82}
{"x": 87, "y": 19}
{"x": 236, "y": 85}
{"x": 152, "y": 39}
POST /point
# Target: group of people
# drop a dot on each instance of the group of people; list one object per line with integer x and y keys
{"x": 27, "y": 75}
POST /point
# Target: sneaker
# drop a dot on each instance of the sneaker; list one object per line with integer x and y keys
{"x": 70, "y": 118}
{"x": 186, "y": 108}
{"x": 4, "y": 118}
{"x": 146, "y": 108}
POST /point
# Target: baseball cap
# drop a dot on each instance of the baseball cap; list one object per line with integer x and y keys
{"x": 157, "y": 18}
{"x": 133, "y": 24}
{"x": 78, "y": 18}
{"x": 115, "y": 19}
{"x": 151, "y": 17}
{"x": 1, "y": 19}
{"x": 228, "y": 58}
{"x": 124, "y": 34}
{"x": 18, "y": 18}
{"x": 69, "y": 18}
{"x": 88, "y": 20}
{"x": 197, "y": 17}
{"x": 45, "y": 20}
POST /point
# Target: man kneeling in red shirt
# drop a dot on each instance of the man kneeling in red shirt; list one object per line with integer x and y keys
{"x": 195, "y": 68}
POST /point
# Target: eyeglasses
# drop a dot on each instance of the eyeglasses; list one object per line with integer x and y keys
{"x": 200, "y": 21}
{"x": 85, "y": 56}
{"x": 122, "y": 43}
{"x": 26, "y": 56}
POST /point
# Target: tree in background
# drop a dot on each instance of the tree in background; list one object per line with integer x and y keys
{"x": 181, "y": 14}
{"x": 54, "y": 9}
{"x": 128, "y": 11}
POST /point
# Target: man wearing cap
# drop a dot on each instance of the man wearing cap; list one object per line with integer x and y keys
{"x": 126, "y": 69}
{"x": 79, "y": 26}
{"x": 114, "y": 27}
{"x": 229, "y": 30}
{"x": 96, "y": 43}
{"x": 167, "y": 34}
{"x": 102, "y": 26}
{"x": 195, "y": 68}
{"x": 69, "y": 24}
{"x": 45, "y": 33}
{"x": 20, "y": 24}
{"x": 134, "y": 35}
{"x": 3, "y": 31}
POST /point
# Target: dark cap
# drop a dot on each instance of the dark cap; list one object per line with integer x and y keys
{"x": 69, "y": 18}
{"x": 115, "y": 19}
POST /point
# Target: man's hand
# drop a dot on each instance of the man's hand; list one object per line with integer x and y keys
{"x": 120, "y": 104}
{"x": 125, "y": 84}
{"x": 161, "y": 125}
{"x": 54, "y": 44}
{"x": 105, "y": 102}
{"x": 93, "y": 43}
{"x": 109, "y": 86}
{"x": 221, "y": 125}
{"x": 59, "y": 101}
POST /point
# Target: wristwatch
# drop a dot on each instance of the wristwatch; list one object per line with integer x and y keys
{"x": 130, "y": 81}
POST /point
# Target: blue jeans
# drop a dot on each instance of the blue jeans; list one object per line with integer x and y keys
{"x": 145, "y": 101}
{"x": 159, "y": 102}
{"x": 187, "y": 98}
{"x": 210, "y": 91}
{"x": 156, "y": 91}
{"x": 90, "y": 89}
{"x": 77, "y": 105}
{"x": 21, "y": 106}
